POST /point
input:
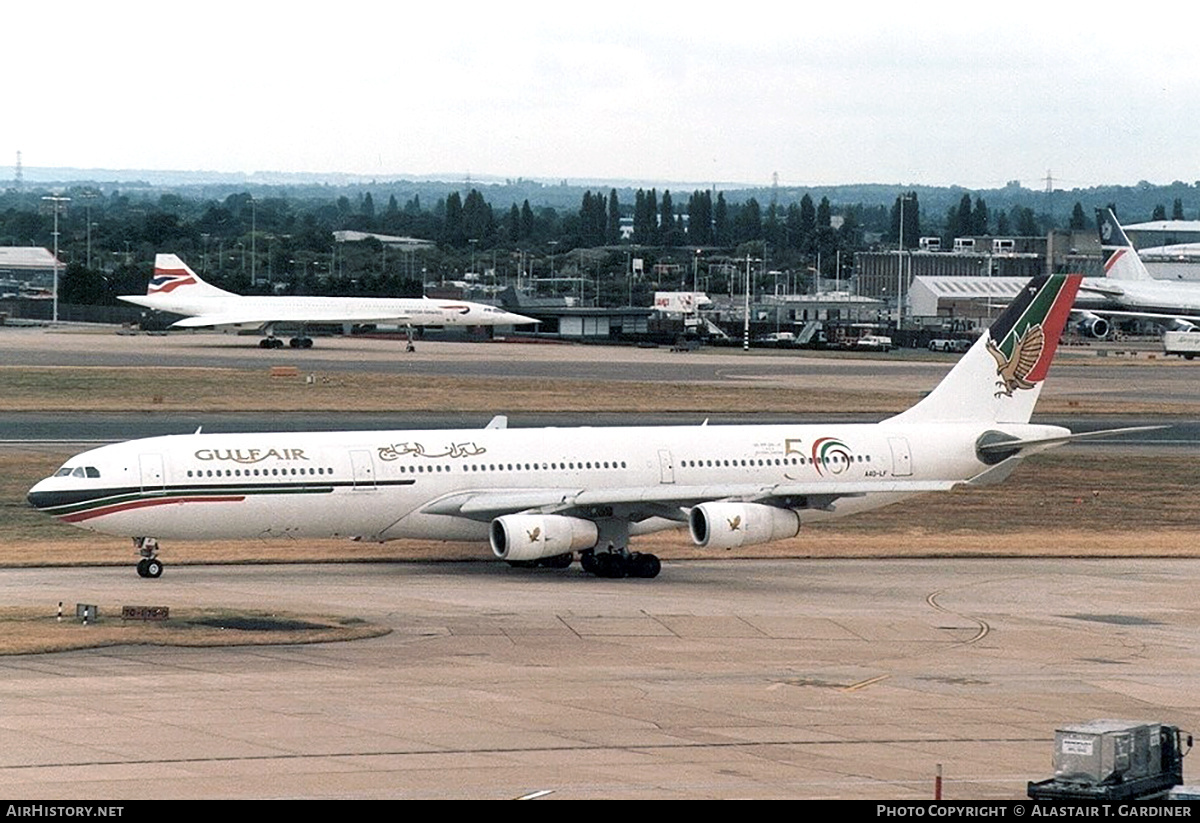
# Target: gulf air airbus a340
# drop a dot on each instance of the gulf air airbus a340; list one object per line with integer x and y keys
{"x": 540, "y": 495}
{"x": 175, "y": 288}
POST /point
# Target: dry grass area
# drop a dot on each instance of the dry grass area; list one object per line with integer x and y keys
{"x": 196, "y": 391}
{"x": 31, "y": 631}
{"x": 213, "y": 390}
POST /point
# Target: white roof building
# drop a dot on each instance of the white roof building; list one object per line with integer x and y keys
{"x": 962, "y": 297}
{"x": 392, "y": 241}
{"x": 23, "y": 263}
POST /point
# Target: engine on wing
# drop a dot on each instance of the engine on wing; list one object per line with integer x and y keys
{"x": 1093, "y": 325}
{"x": 730, "y": 525}
{"x": 516, "y": 537}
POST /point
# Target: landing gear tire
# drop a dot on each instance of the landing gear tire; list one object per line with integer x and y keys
{"x": 645, "y": 565}
{"x": 270, "y": 343}
{"x": 587, "y": 559}
{"x": 610, "y": 565}
{"x": 300, "y": 342}
{"x": 150, "y": 567}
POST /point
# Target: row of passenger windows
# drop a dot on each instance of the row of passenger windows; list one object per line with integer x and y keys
{"x": 532, "y": 467}
{"x": 256, "y": 472}
{"x": 776, "y": 461}
{"x": 492, "y": 467}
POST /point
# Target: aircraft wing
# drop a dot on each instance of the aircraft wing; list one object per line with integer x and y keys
{"x": 660, "y": 500}
{"x": 1146, "y": 315}
{"x": 284, "y": 314}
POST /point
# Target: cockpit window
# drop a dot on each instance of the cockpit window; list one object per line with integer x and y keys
{"x": 77, "y": 471}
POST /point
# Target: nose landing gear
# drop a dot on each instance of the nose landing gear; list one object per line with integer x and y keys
{"x": 149, "y": 565}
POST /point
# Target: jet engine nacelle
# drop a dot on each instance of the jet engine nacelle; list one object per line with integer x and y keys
{"x": 1094, "y": 325}
{"x": 730, "y": 525}
{"x": 534, "y": 536}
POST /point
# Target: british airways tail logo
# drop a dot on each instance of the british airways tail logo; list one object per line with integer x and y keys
{"x": 167, "y": 281}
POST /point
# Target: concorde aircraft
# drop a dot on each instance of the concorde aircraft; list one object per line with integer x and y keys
{"x": 177, "y": 289}
{"x": 1127, "y": 289}
{"x": 541, "y": 495}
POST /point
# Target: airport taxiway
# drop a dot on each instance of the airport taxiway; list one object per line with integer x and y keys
{"x": 1080, "y": 373}
{"x": 721, "y": 679}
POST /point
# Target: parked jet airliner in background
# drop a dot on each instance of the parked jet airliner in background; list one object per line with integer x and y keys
{"x": 177, "y": 289}
{"x": 1127, "y": 289}
{"x": 540, "y": 495}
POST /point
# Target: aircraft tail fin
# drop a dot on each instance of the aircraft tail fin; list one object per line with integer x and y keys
{"x": 1121, "y": 261}
{"x": 172, "y": 275}
{"x": 1000, "y": 377}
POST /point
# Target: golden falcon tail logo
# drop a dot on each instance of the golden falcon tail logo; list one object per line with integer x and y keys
{"x": 1012, "y": 371}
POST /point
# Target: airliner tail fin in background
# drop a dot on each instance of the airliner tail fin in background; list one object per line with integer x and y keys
{"x": 171, "y": 274}
{"x": 1001, "y": 376}
{"x": 1121, "y": 261}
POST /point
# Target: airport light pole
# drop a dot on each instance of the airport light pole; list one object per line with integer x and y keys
{"x": 900, "y": 269}
{"x": 88, "y": 196}
{"x": 253, "y": 243}
{"x": 57, "y": 201}
{"x": 746, "y": 307}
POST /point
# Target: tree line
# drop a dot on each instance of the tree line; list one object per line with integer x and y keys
{"x": 108, "y": 239}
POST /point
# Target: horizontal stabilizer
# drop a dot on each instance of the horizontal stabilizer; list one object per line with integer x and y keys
{"x": 1003, "y": 446}
{"x": 1102, "y": 288}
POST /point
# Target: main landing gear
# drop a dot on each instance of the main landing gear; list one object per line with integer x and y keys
{"x": 149, "y": 565}
{"x": 616, "y": 563}
{"x": 620, "y": 563}
{"x": 276, "y": 343}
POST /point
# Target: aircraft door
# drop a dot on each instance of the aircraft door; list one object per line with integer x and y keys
{"x": 151, "y": 466}
{"x": 666, "y": 466}
{"x": 364, "y": 470}
{"x": 901, "y": 457}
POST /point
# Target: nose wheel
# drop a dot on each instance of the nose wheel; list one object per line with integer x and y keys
{"x": 149, "y": 565}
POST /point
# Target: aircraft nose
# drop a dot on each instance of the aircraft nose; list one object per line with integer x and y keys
{"x": 42, "y": 497}
{"x": 38, "y": 497}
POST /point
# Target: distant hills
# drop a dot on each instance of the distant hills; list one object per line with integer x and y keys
{"x": 1134, "y": 203}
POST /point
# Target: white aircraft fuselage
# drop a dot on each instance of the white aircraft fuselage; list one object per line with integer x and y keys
{"x": 249, "y": 311}
{"x": 449, "y": 484}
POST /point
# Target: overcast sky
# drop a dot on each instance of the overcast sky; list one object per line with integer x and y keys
{"x": 855, "y": 92}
